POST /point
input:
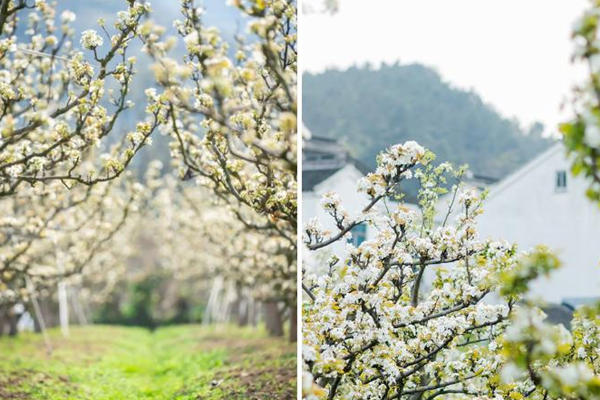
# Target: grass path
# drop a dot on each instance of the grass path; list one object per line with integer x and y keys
{"x": 175, "y": 363}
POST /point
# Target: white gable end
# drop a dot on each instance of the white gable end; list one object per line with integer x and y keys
{"x": 529, "y": 208}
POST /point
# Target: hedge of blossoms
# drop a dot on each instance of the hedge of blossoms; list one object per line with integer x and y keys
{"x": 61, "y": 96}
{"x": 403, "y": 315}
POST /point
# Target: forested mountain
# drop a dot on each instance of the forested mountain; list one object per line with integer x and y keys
{"x": 370, "y": 109}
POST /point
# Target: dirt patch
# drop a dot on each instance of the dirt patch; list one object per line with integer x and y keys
{"x": 8, "y": 393}
{"x": 240, "y": 349}
{"x": 12, "y": 384}
{"x": 212, "y": 342}
{"x": 258, "y": 384}
{"x": 259, "y": 368}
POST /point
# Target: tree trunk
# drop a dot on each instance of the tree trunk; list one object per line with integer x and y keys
{"x": 48, "y": 314}
{"x": 273, "y": 320}
{"x": 293, "y": 323}
{"x": 13, "y": 320}
{"x": 243, "y": 313}
{"x": 3, "y": 318}
{"x": 37, "y": 327}
{"x": 234, "y": 310}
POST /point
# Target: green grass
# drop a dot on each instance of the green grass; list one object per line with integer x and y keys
{"x": 174, "y": 363}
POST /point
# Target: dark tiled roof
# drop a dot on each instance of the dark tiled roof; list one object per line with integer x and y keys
{"x": 316, "y": 138}
{"x": 485, "y": 179}
{"x": 316, "y": 168}
{"x": 558, "y": 314}
{"x": 312, "y": 178}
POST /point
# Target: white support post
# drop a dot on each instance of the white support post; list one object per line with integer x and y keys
{"x": 77, "y": 308}
{"x": 63, "y": 308}
{"x": 213, "y": 301}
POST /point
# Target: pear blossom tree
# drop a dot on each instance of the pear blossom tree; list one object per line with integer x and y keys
{"x": 522, "y": 356}
{"x": 426, "y": 310}
{"x": 252, "y": 266}
{"x": 233, "y": 120}
{"x": 404, "y": 314}
{"x": 231, "y": 116}
{"x": 197, "y": 243}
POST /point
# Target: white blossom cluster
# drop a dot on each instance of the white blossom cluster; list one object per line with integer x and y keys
{"x": 90, "y": 39}
{"x": 548, "y": 361}
{"x": 393, "y": 165}
{"x": 405, "y": 315}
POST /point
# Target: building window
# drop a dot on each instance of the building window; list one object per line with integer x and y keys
{"x": 359, "y": 234}
{"x": 561, "y": 181}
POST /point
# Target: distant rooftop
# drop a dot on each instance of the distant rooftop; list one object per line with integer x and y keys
{"x": 323, "y": 157}
{"x": 558, "y": 314}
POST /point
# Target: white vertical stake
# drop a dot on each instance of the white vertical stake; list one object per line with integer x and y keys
{"x": 77, "y": 307}
{"x": 63, "y": 308}
{"x": 63, "y": 304}
{"x": 213, "y": 301}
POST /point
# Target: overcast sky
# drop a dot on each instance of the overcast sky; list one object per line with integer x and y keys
{"x": 514, "y": 53}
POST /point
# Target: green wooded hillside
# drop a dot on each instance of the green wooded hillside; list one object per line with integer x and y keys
{"x": 370, "y": 109}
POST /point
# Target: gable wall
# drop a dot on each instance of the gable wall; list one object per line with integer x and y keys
{"x": 529, "y": 211}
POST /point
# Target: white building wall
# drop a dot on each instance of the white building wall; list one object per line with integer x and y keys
{"x": 344, "y": 183}
{"x": 526, "y": 209}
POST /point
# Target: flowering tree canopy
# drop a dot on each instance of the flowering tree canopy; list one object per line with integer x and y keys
{"x": 48, "y": 234}
{"x": 233, "y": 118}
{"x": 61, "y": 97}
{"x": 204, "y": 239}
{"x": 375, "y": 326}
